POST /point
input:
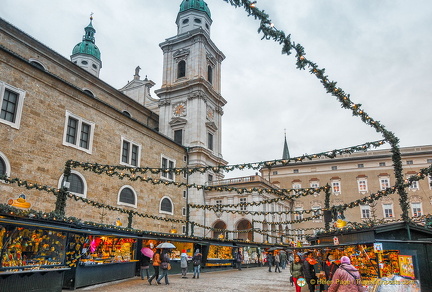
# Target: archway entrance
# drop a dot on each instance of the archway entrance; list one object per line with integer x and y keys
{"x": 244, "y": 225}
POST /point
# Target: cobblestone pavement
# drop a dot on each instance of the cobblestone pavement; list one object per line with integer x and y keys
{"x": 248, "y": 279}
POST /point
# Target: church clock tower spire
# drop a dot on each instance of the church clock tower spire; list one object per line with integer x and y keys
{"x": 191, "y": 106}
{"x": 86, "y": 54}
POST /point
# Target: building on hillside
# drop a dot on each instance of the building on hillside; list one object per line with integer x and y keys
{"x": 54, "y": 110}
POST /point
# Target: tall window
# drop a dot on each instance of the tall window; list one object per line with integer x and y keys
{"x": 299, "y": 215}
{"x": 130, "y": 153}
{"x": 316, "y": 210}
{"x": 365, "y": 211}
{"x": 166, "y": 206}
{"x": 167, "y": 165}
{"x": 11, "y": 104}
{"x": 362, "y": 185}
{"x": 210, "y": 74}
{"x": 384, "y": 183}
{"x": 416, "y": 209}
{"x": 127, "y": 196}
{"x": 243, "y": 201}
{"x": 78, "y": 132}
{"x": 210, "y": 141}
{"x": 414, "y": 184}
{"x": 178, "y": 136}
{"x": 336, "y": 187}
{"x": 388, "y": 210}
{"x": 181, "y": 69}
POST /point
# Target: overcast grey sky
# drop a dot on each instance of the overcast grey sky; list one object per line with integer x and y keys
{"x": 378, "y": 51}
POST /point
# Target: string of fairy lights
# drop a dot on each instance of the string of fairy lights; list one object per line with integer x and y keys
{"x": 422, "y": 174}
{"x": 269, "y": 32}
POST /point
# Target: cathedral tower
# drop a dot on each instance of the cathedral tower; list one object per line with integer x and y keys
{"x": 86, "y": 54}
{"x": 191, "y": 106}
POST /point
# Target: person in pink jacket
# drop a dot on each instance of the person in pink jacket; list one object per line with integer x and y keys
{"x": 346, "y": 278}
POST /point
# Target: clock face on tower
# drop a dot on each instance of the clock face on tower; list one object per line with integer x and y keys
{"x": 180, "y": 110}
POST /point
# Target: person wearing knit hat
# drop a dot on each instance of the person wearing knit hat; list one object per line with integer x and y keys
{"x": 345, "y": 260}
{"x": 346, "y": 278}
{"x": 183, "y": 263}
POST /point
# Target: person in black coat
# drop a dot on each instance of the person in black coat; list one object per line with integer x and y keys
{"x": 270, "y": 260}
{"x": 144, "y": 266}
{"x": 309, "y": 271}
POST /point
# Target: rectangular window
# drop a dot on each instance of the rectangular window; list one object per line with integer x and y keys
{"x": 130, "y": 153}
{"x": 178, "y": 136}
{"x": 218, "y": 202}
{"x": 295, "y": 171}
{"x": 365, "y": 211}
{"x": 316, "y": 211}
{"x": 78, "y": 132}
{"x": 334, "y": 168}
{"x": 243, "y": 201}
{"x": 184, "y": 229}
{"x": 429, "y": 160}
{"x": 362, "y": 185}
{"x": 11, "y": 104}
{"x": 388, "y": 210}
{"x": 275, "y": 172}
{"x": 210, "y": 141}
{"x": 409, "y": 162}
{"x": 314, "y": 185}
{"x": 382, "y": 164}
{"x": 210, "y": 178}
{"x": 184, "y": 211}
{"x": 297, "y": 186}
{"x": 166, "y": 165}
{"x": 298, "y": 215}
{"x": 184, "y": 194}
{"x": 384, "y": 183}
{"x": 416, "y": 209}
{"x": 336, "y": 188}
{"x": 360, "y": 165}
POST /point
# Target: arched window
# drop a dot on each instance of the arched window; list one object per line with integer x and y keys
{"x": 127, "y": 196}
{"x": 4, "y": 165}
{"x": 166, "y": 206}
{"x": 126, "y": 113}
{"x": 210, "y": 74}
{"x": 37, "y": 64}
{"x": 219, "y": 233}
{"x": 77, "y": 184}
{"x": 181, "y": 69}
{"x": 89, "y": 93}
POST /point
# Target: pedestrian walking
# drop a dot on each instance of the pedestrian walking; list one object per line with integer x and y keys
{"x": 270, "y": 260}
{"x": 277, "y": 262}
{"x": 283, "y": 259}
{"x": 164, "y": 265}
{"x": 346, "y": 278}
{"x": 297, "y": 271}
{"x": 196, "y": 260}
{"x": 144, "y": 266}
{"x": 309, "y": 271}
{"x": 239, "y": 259}
{"x": 183, "y": 263}
{"x": 156, "y": 264}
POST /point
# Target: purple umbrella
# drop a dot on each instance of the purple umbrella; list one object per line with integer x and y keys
{"x": 147, "y": 252}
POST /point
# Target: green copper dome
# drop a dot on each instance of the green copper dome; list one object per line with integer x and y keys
{"x": 195, "y": 4}
{"x": 87, "y": 46}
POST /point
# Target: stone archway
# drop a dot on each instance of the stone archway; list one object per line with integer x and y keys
{"x": 219, "y": 225}
{"x": 244, "y": 224}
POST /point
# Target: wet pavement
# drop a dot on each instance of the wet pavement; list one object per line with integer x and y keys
{"x": 248, "y": 279}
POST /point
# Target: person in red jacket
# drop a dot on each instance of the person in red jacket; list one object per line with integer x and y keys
{"x": 346, "y": 278}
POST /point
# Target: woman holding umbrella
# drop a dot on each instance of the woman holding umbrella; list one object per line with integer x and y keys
{"x": 146, "y": 255}
{"x": 165, "y": 262}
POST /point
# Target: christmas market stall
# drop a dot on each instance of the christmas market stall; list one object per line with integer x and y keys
{"x": 99, "y": 257}
{"x": 33, "y": 255}
{"x": 398, "y": 254}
